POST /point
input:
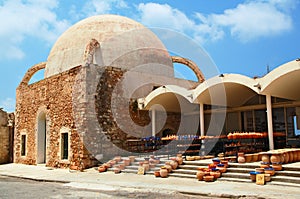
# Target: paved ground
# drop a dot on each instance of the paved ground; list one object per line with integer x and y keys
{"x": 144, "y": 184}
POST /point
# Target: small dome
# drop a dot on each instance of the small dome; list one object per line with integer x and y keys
{"x": 122, "y": 43}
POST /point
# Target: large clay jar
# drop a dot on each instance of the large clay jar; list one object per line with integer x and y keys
{"x": 241, "y": 158}
{"x": 163, "y": 172}
{"x": 169, "y": 167}
{"x": 265, "y": 158}
{"x": 132, "y": 159}
{"x": 200, "y": 174}
{"x": 146, "y": 165}
{"x": 275, "y": 158}
{"x": 179, "y": 159}
{"x": 174, "y": 164}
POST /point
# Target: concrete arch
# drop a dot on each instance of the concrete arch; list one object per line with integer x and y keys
{"x": 191, "y": 65}
{"x": 31, "y": 72}
{"x": 278, "y": 80}
{"x": 181, "y": 98}
{"x": 226, "y": 90}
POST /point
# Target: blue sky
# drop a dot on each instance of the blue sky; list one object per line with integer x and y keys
{"x": 240, "y": 36}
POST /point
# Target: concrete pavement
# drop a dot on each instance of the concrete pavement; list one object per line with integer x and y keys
{"x": 108, "y": 181}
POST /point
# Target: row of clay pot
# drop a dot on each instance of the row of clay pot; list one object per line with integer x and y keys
{"x": 283, "y": 156}
{"x": 242, "y": 158}
{"x": 118, "y": 163}
{"x": 169, "y": 166}
{"x": 213, "y": 171}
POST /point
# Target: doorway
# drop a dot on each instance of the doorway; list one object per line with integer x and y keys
{"x": 41, "y": 139}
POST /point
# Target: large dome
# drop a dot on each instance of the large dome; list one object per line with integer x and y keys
{"x": 123, "y": 43}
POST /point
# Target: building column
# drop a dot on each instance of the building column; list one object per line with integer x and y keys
{"x": 270, "y": 122}
{"x": 202, "y": 133}
{"x": 153, "y": 115}
{"x": 202, "y": 119}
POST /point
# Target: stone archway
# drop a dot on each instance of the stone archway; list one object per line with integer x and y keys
{"x": 41, "y": 138}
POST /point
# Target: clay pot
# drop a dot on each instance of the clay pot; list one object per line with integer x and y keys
{"x": 174, "y": 164}
{"x": 267, "y": 177}
{"x": 248, "y": 157}
{"x": 126, "y": 162}
{"x": 221, "y": 168}
{"x": 168, "y": 167}
{"x": 253, "y": 175}
{"x": 275, "y": 158}
{"x": 254, "y": 157}
{"x": 190, "y": 158}
{"x": 286, "y": 157}
{"x": 264, "y": 165}
{"x": 163, "y": 172}
{"x": 118, "y": 159}
{"x": 241, "y": 158}
{"x": 270, "y": 171}
{"x": 117, "y": 170}
{"x": 261, "y": 170}
{"x": 265, "y": 158}
{"x": 215, "y": 173}
{"x": 208, "y": 178}
{"x": 291, "y": 157}
{"x": 102, "y": 169}
{"x": 225, "y": 162}
{"x": 277, "y": 167}
{"x": 146, "y": 165}
{"x": 179, "y": 160}
{"x": 200, "y": 175}
{"x": 132, "y": 159}
{"x": 157, "y": 173}
{"x": 122, "y": 166}
{"x": 216, "y": 161}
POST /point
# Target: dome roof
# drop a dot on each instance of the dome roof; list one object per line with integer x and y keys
{"x": 122, "y": 43}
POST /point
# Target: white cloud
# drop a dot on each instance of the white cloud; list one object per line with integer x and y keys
{"x": 248, "y": 21}
{"x": 33, "y": 18}
{"x": 8, "y": 104}
{"x": 254, "y": 19}
{"x": 96, "y": 7}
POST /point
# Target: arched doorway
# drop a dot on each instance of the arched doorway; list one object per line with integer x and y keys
{"x": 41, "y": 138}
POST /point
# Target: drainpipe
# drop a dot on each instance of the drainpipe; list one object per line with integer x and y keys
{"x": 270, "y": 122}
{"x": 202, "y": 128}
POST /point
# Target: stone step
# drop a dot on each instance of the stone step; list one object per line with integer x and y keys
{"x": 235, "y": 179}
{"x": 287, "y": 179}
{"x": 288, "y": 173}
{"x": 239, "y": 170}
{"x": 185, "y": 171}
{"x": 236, "y": 175}
{"x": 284, "y": 184}
{"x": 181, "y": 175}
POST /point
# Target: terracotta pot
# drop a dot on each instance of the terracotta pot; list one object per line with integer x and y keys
{"x": 265, "y": 158}
{"x": 179, "y": 160}
{"x": 126, "y": 162}
{"x": 241, "y": 159}
{"x": 248, "y": 158}
{"x": 275, "y": 158}
{"x": 117, "y": 170}
{"x": 253, "y": 175}
{"x": 208, "y": 178}
{"x": 168, "y": 167}
{"x": 261, "y": 170}
{"x": 200, "y": 175}
{"x": 267, "y": 177}
{"x": 102, "y": 169}
{"x": 225, "y": 162}
{"x": 270, "y": 171}
{"x": 174, "y": 164}
{"x": 146, "y": 165}
{"x": 163, "y": 172}
{"x": 132, "y": 159}
{"x": 122, "y": 166}
{"x": 157, "y": 173}
{"x": 291, "y": 157}
{"x": 216, "y": 174}
{"x": 254, "y": 157}
{"x": 286, "y": 157}
{"x": 118, "y": 158}
{"x": 277, "y": 167}
{"x": 264, "y": 165}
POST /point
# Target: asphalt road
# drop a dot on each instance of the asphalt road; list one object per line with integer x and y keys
{"x": 28, "y": 189}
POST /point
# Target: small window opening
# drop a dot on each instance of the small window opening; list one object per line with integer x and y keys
{"x": 23, "y": 145}
{"x": 65, "y": 146}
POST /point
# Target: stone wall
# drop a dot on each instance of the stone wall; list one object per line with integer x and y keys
{"x": 52, "y": 96}
{"x": 4, "y": 138}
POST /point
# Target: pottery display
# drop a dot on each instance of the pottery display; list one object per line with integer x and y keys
{"x": 241, "y": 158}
{"x": 163, "y": 172}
